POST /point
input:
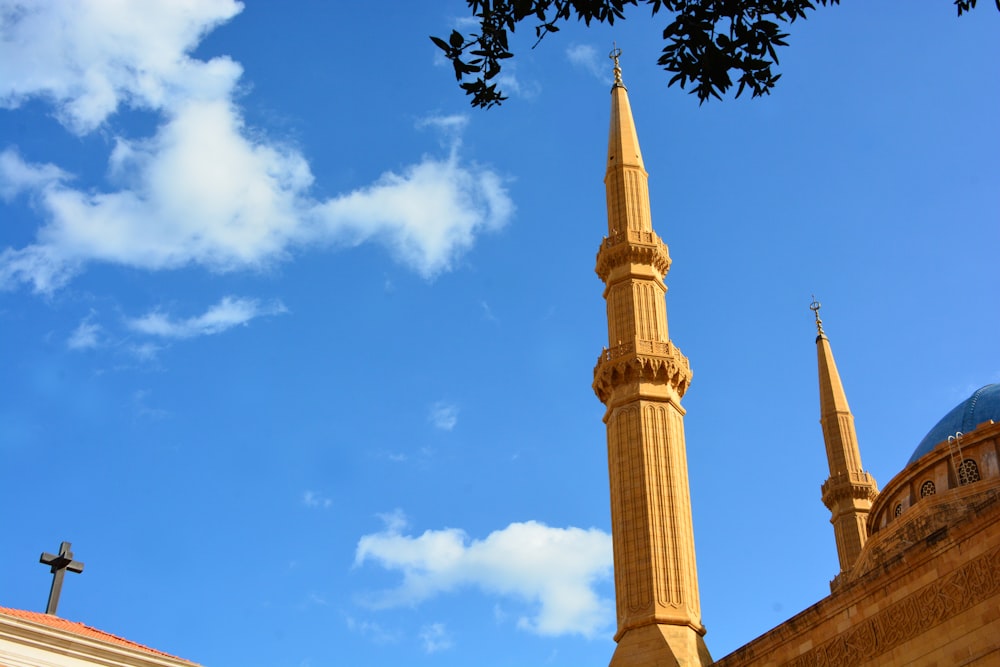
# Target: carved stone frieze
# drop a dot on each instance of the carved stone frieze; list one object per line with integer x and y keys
{"x": 962, "y": 589}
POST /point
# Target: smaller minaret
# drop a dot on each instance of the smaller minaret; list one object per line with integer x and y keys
{"x": 849, "y": 491}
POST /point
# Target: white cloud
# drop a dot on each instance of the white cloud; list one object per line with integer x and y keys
{"x": 444, "y": 415}
{"x": 200, "y": 192}
{"x": 86, "y": 336}
{"x": 427, "y": 215}
{"x": 204, "y": 189}
{"x": 88, "y": 58}
{"x": 554, "y": 570}
{"x": 435, "y": 638}
{"x": 313, "y": 499}
{"x": 587, "y": 58}
{"x": 226, "y": 314}
{"x": 17, "y": 176}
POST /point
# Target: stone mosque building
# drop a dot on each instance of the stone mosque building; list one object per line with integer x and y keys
{"x": 919, "y": 580}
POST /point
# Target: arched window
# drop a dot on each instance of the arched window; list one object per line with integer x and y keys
{"x": 898, "y": 510}
{"x": 968, "y": 472}
{"x": 927, "y": 489}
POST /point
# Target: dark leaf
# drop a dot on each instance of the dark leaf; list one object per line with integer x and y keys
{"x": 707, "y": 42}
{"x": 441, "y": 44}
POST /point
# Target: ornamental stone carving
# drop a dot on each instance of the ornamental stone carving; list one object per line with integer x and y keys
{"x": 859, "y": 485}
{"x": 632, "y": 247}
{"x": 641, "y": 360}
{"x": 919, "y": 612}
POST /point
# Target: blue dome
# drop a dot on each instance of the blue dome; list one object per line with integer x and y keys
{"x": 982, "y": 406}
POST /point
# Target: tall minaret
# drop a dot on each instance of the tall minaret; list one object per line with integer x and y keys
{"x": 640, "y": 377}
{"x": 849, "y": 491}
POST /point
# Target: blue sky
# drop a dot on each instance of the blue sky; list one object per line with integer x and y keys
{"x": 297, "y": 347}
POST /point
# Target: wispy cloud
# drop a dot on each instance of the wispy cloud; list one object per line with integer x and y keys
{"x": 147, "y": 336}
{"x": 513, "y": 85}
{"x": 17, "y": 176}
{"x": 395, "y": 521}
{"x": 204, "y": 189}
{"x": 587, "y": 58}
{"x": 444, "y": 415}
{"x": 466, "y": 23}
{"x": 226, "y": 314}
{"x": 316, "y": 600}
{"x": 488, "y": 312}
{"x": 450, "y": 126}
{"x": 145, "y": 351}
{"x": 140, "y": 402}
{"x": 373, "y": 631}
{"x": 87, "y": 335}
{"x": 315, "y": 500}
{"x": 553, "y": 570}
{"x": 435, "y": 638}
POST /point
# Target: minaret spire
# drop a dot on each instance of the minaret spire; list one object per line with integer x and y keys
{"x": 850, "y": 490}
{"x": 640, "y": 377}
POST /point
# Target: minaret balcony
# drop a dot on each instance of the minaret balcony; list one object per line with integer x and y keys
{"x": 855, "y": 485}
{"x": 641, "y": 361}
{"x": 632, "y": 246}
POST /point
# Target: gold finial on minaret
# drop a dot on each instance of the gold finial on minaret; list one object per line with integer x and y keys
{"x": 815, "y": 306}
{"x": 615, "y": 55}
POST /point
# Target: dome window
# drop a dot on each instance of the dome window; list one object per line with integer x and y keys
{"x": 968, "y": 472}
{"x": 927, "y": 489}
{"x": 898, "y": 510}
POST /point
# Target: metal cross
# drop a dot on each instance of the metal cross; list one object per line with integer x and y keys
{"x": 59, "y": 564}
